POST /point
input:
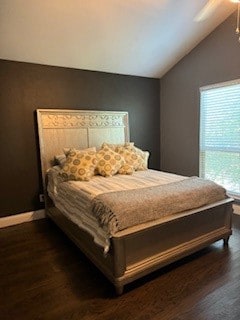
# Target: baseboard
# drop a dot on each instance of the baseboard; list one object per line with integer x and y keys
{"x": 21, "y": 218}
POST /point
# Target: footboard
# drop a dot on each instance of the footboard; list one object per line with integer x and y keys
{"x": 141, "y": 250}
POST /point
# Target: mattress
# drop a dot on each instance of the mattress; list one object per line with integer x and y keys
{"x": 73, "y": 198}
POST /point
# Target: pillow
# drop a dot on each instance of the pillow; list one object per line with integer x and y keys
{"x": 114, "y": 146}
{"x": 144, "y": 155}
{"x": 133, "y": 157}
{"x": 109, "y": 162}
{"x": 130, "y": 156}
{"x": 126, "y": 169}
{"x": 79, "y": 165}
{"x": 61, "y": 158}
{"x": 67, "y": 150}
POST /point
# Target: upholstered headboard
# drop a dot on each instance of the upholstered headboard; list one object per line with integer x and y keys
{"x": 79, "y": 129}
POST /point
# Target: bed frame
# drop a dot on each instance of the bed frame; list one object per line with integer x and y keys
{"x": 138, "y": 250}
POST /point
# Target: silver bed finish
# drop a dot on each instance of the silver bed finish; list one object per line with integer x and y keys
{"x": 138, "y": 250}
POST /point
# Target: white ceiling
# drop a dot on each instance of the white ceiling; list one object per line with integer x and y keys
{"x": 134, "y": 37}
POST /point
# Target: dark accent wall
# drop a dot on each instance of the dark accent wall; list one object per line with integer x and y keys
{"x": 24, "y": 87}
{"x": 216, "y": 59}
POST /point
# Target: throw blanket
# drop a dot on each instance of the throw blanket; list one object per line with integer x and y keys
{"x": 122, "y": 209}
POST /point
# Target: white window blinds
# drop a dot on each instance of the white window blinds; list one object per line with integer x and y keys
{"x": 220, "y": 135}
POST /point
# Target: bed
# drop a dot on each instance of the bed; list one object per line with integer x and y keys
{"x": 139, "y": 249}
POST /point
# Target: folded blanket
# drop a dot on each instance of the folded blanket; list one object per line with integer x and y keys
{"x": 122, "y": 209}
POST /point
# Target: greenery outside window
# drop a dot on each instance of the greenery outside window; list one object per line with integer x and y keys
{"x": 220, "y": 135}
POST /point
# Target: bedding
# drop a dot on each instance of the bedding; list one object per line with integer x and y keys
{"x": 74, "y": 198}
{"x": 119, "y": 202}
{"x": 123, "y": 209}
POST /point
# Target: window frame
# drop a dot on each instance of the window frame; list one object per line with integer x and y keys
{"x": 201, "y": 143}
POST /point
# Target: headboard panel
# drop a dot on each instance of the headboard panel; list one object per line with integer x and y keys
{"x": 79, "y": 129}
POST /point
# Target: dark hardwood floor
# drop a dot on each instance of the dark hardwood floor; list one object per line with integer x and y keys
{"x": 44, "y": 276}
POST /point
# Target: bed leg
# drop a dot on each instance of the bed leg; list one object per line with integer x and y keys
{"x": 225, "y": 241}
{"x": 119, "y": 290}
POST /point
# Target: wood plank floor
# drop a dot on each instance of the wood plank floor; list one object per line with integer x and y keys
{"x": 44, "y": 276}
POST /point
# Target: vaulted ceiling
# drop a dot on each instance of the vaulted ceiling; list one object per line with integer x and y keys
{"x": 134, "y": 37}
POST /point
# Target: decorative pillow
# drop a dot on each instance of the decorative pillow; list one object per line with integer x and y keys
{"x": 126, "y": 169}
{"x": 144, "y": 155}
{"x": 61, "y": 158}
{"x": 130, "y": 156}
{"x": 114, "y": 146}
{"x": 133, "y": 157}
{"x": 109, "y": 162}
{"x": 79, "y": 165}
{"x": 67, "y": 150}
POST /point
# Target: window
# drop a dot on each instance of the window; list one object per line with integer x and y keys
{"x": 220, "y": 135}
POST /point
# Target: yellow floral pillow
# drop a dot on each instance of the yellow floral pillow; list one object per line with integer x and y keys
{"x": 126, "y": 169}
{"x": 61, "y": 158}
{"x": 114, "y": 146}
{"x": 144, "y": 155}
{"x": 109, "y": 162}
{"x": 67, "y": 150}
{"x": 79, "y": 165}
{"x": 132, "y": 157}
